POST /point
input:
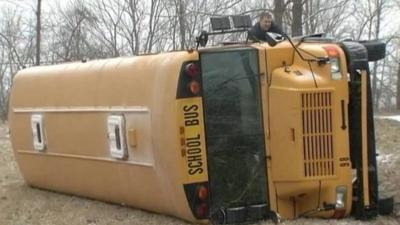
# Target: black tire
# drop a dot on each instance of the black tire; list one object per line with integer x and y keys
{"x": 376, "y": 49}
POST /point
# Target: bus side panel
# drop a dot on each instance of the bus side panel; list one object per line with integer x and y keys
{"x": 75, "y": 101}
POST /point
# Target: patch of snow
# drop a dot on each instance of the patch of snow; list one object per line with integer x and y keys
{"x": 384, "y": 158}
{"x": 395, "y": 117}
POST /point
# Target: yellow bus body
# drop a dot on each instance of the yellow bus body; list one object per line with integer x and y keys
{"x": 307, "y": 151}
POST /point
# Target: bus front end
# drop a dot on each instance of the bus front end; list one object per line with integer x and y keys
{"x": 266, "y": 132}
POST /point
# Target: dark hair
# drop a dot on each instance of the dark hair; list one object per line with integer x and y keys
{"x": 265, "y": 14}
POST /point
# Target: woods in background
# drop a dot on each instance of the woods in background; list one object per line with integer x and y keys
{"x": 36, "y": 32}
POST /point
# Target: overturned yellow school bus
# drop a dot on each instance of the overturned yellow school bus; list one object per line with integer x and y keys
{"x": 228, "y": 134}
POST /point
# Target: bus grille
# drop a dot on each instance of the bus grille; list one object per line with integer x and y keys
{"x": 317, "y": 134}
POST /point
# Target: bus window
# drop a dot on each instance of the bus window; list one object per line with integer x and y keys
{"x": 234, "y": 128}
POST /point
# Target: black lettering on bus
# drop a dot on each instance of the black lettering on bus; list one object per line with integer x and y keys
{"x": 193, "y": 138}
{"x": 194, "y": 171}
{"x": 193, "y": 144}
{"x": 192, "y": 158}
{"x": 192, "y": 151}
{"x": 191, "y": 122}
{"x": 191, "y": 115}
{"x": 190, "y": 108}
{"x": 195, "y": 164}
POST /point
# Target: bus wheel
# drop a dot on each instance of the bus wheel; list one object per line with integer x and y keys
{"x": 218, "y": 217}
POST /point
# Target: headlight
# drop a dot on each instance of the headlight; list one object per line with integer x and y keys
{"x": 335, "y": 68}
{"x": 334, "y": 60}
{"x": 341, "y": 192}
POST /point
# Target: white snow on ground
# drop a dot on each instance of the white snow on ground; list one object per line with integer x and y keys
{"x": 394, "y": 117}
{"x": 384, "y": 158}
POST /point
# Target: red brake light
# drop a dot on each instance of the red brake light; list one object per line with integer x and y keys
{"x": 192, "y": 69}
{"x": 194, "y": 87}
{"x": 331, "y": 51}
{"x": 202, "y": 193}
{"x": 202, "y": 210}
{"x": 198, "y": 195}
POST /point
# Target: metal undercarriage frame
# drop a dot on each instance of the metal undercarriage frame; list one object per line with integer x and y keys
{"x": 366, "y": 202}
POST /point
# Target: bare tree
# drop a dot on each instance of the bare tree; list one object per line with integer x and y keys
{"x": 326, "y": 17}
{"x": 279, "y": 9}
{"x": 398, "y": 87}
{"x": 38, "y": 30}
{"x": 297, "y": 14}
{"x": 378, "y": 10}
{"x": 375, "y": 93}
{"x": 17, "y": 50}
{"x": 131, "y": 25}
{"x": 180, "y": 9}
{"x": 71, "y": 34}
{"x": 109, "y": 15}
{"x": 156, "y": 8}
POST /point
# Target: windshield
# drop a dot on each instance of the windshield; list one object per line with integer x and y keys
{"x": 234, "y": 130}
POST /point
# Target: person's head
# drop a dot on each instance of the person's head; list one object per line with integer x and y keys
{"x": 265, "y": 21}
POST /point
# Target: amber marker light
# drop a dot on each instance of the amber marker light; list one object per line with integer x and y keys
{"x": 331, "y": 51}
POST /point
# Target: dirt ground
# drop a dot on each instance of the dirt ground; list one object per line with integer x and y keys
{"x": 22, "y": 205}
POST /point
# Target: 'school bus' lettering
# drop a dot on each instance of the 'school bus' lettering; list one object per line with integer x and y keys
{"x": 191, "y": 119}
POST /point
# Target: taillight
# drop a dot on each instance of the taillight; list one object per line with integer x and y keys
{"x": 194, "y": 87}
{"x": 189, "y": 84}
{"x": 202, "y": 211}
{"x": 192, "y": 70}
{"x": 197, "y": 195}
{"x": 334, "y": 61}
{"x": 202, "y": 192}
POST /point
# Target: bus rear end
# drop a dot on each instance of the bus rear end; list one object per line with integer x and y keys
{"x": 222, "y": 136}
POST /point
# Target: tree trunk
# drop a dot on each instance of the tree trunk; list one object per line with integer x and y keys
{"x": 279, "y": 9}
{"x": 398, "y": 89}
{"x": 38, "y": 30}
{"x": 379, "y": 5}
{"x": 380, "y": 90}
{"x": 375, "y": 85}
{"x": 182, "y": 27}
{"x": 307, "y": 14}
{"x": 297, "y": 12}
